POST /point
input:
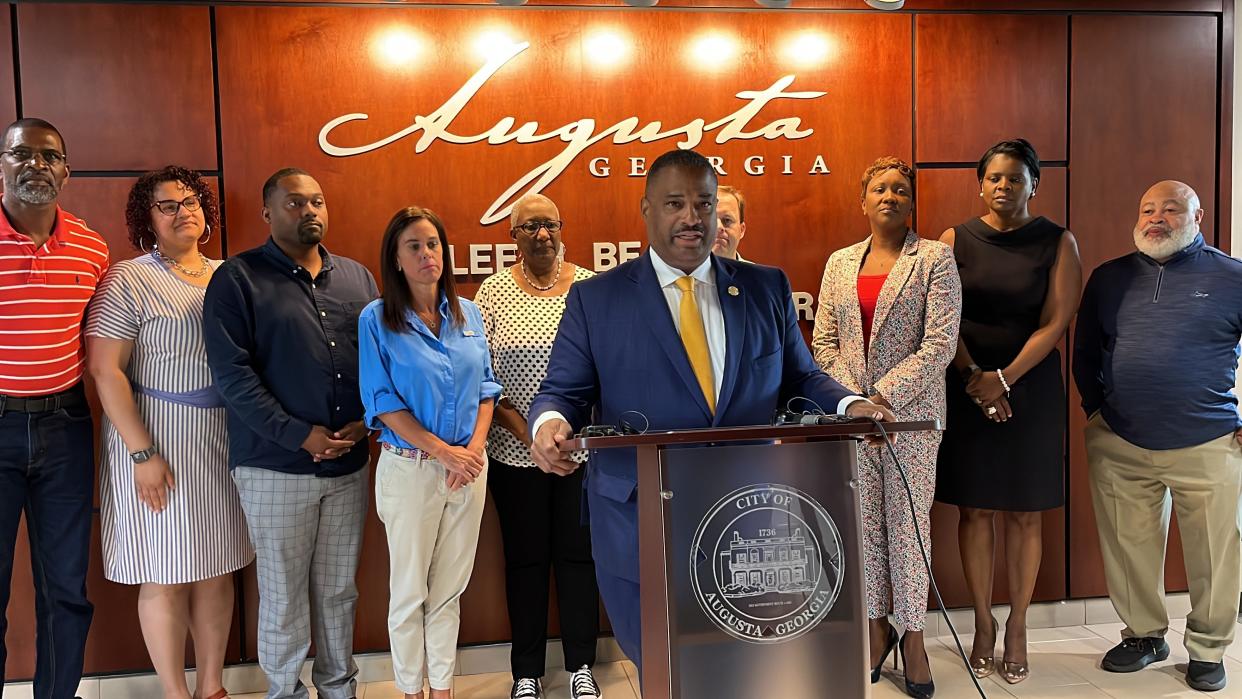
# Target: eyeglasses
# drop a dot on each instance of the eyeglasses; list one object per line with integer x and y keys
{"x": 531, "y": 228}
{"x": 170, "y": 207}
{"x": 50, "y": 156}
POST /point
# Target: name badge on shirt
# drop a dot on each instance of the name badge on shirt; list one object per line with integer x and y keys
{"x": 468, "y": 333}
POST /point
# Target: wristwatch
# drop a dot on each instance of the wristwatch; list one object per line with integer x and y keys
{"x": 144, "y": 455}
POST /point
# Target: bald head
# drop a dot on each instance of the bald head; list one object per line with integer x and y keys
{"x": 1168, "y": 190}
{"x": 533, "y": 206}
{"x": 1168, "y": 220}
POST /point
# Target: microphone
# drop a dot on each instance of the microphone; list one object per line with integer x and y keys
{"x": 825, "y": 419}
{"x": 789, "y": 417}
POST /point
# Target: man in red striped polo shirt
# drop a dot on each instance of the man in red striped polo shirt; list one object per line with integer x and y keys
{"x": 50, "y": 263}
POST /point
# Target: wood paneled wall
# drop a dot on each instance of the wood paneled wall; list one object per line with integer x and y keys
{"x": 1116, "y": 151}
{"x": 1113, "y": 95}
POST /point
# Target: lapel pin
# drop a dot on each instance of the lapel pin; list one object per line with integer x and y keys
{"x": 733, "y": 291}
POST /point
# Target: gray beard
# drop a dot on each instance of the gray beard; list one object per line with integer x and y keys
{"x": 1176, "y": 241}
{"x": 35, "y": 196}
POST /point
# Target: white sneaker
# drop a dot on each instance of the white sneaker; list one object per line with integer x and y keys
{"x": 582, "y": 685}
{"x": 527, "y": 688}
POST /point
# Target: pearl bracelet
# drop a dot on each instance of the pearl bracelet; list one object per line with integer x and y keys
{"x": 1001, "y": 375}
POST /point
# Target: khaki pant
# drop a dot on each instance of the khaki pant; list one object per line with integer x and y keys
{"x": 432, "y": 537}
{"x": 1133, "y": 489}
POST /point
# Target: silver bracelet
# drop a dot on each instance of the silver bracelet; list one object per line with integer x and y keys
{"x": 1001, "y": 375}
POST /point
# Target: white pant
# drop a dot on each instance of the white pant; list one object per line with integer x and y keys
{"x": 432, "y": 536}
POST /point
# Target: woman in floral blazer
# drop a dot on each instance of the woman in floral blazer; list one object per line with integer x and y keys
{"x": 886, "y": 327}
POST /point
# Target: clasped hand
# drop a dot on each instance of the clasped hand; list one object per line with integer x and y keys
{"x": 463, "y": 465}
{"x": 987, "y": 392}
{"x": 324, "y": 444}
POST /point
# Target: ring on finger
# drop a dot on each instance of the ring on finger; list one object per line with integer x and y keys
{"x": 992, "y": 410}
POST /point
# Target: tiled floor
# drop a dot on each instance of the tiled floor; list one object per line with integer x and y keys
{"x": 617, "y": 680}
{"x": 1064, "y": 665}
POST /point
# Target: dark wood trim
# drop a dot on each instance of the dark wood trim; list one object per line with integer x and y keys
{"x": 17, "y": 61}
{"x": 1224, "y": 130}
{"x": 215, "y": 86}
{"x": 914, "y": 110}
{"x": 653, "y": 576}
{"x": 1068, "y": 359}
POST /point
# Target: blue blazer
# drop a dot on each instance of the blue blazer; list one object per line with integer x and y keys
{"x": 618, "y": 350}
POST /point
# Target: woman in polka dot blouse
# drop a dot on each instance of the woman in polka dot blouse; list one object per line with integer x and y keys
{"x": 540, "y": 516}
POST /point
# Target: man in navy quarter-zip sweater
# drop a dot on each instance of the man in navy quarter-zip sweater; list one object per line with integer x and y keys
{"x": 1155, "y": 357}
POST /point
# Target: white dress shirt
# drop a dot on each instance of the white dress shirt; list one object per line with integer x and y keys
{"x": 709, "y": 307}
{"x": 713, "y": 322}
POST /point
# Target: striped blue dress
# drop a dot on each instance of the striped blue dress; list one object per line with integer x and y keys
{"x": 202, "y": 533}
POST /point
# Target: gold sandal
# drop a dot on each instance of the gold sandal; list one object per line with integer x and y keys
{"x": 1014, "y": 672}
{"x": 986, "y": 666}
{"x": 983, "y": 667}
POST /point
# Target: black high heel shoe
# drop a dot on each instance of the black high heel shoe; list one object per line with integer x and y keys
{"x": 926, "y": 690}
{"x": 889, "y": 644}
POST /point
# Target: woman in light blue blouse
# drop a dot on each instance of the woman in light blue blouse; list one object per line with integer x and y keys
{"x": 427, "y": 386}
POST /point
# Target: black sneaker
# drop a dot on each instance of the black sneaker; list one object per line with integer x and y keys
{"x": 1205, "y": 677}
{"x": 1134, "y": 654}
{"x": 527, "y": 688}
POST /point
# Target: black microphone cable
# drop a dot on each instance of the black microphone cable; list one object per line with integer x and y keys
{"x": 819, "y": 413}
{"x": 961, "y": 652}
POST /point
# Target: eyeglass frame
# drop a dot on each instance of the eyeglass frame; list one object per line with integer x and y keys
{"x": 541, "y": 224}
{"x": 180, "y": 204}
{"x": 40, "y": 154}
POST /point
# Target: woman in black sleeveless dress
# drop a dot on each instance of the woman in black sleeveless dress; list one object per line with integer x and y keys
{"x": 1004, "y": 445}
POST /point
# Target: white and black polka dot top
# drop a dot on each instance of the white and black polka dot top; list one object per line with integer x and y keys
{"x": 520, "y": 330}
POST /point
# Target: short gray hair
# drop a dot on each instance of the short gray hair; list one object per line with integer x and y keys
{"x": 528, "y": 199}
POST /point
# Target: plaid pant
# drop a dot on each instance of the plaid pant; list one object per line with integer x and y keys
{"x": 307, "y": 535}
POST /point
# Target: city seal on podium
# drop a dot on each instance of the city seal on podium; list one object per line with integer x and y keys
{"x": 766, "y": 563}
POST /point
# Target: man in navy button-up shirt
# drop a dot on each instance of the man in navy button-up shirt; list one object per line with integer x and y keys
{"x": 281, "y": 328}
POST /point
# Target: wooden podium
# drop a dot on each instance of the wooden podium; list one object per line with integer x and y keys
{"x": 750, "y": 559}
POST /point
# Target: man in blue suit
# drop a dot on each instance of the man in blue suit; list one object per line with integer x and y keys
{"x": 689, "y": 340}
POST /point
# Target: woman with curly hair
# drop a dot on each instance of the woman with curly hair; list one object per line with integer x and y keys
{"x": 171, "y": 520}
{"x": 886, "y": 328}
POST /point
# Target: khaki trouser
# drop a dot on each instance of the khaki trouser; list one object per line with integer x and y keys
{"x": 1133, "y": 489}
{"x": 432, "y": 536}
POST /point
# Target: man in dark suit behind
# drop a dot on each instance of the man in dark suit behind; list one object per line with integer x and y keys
{"x": 688, "y": 339}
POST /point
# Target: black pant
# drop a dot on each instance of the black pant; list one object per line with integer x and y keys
{"x": 47, "y": 470}
{"x": 542, "y": 528}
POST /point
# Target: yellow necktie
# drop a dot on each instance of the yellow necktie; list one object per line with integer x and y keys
{"x": 695, "y": 340}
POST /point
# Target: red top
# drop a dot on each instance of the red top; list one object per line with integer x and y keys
{"x": 869, "y": 286}
{"x": 43, "y": 295}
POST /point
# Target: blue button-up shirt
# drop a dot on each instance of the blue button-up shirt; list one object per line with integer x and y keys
{"x": 439, "y": 380}
{"x": 283, "y": 351}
